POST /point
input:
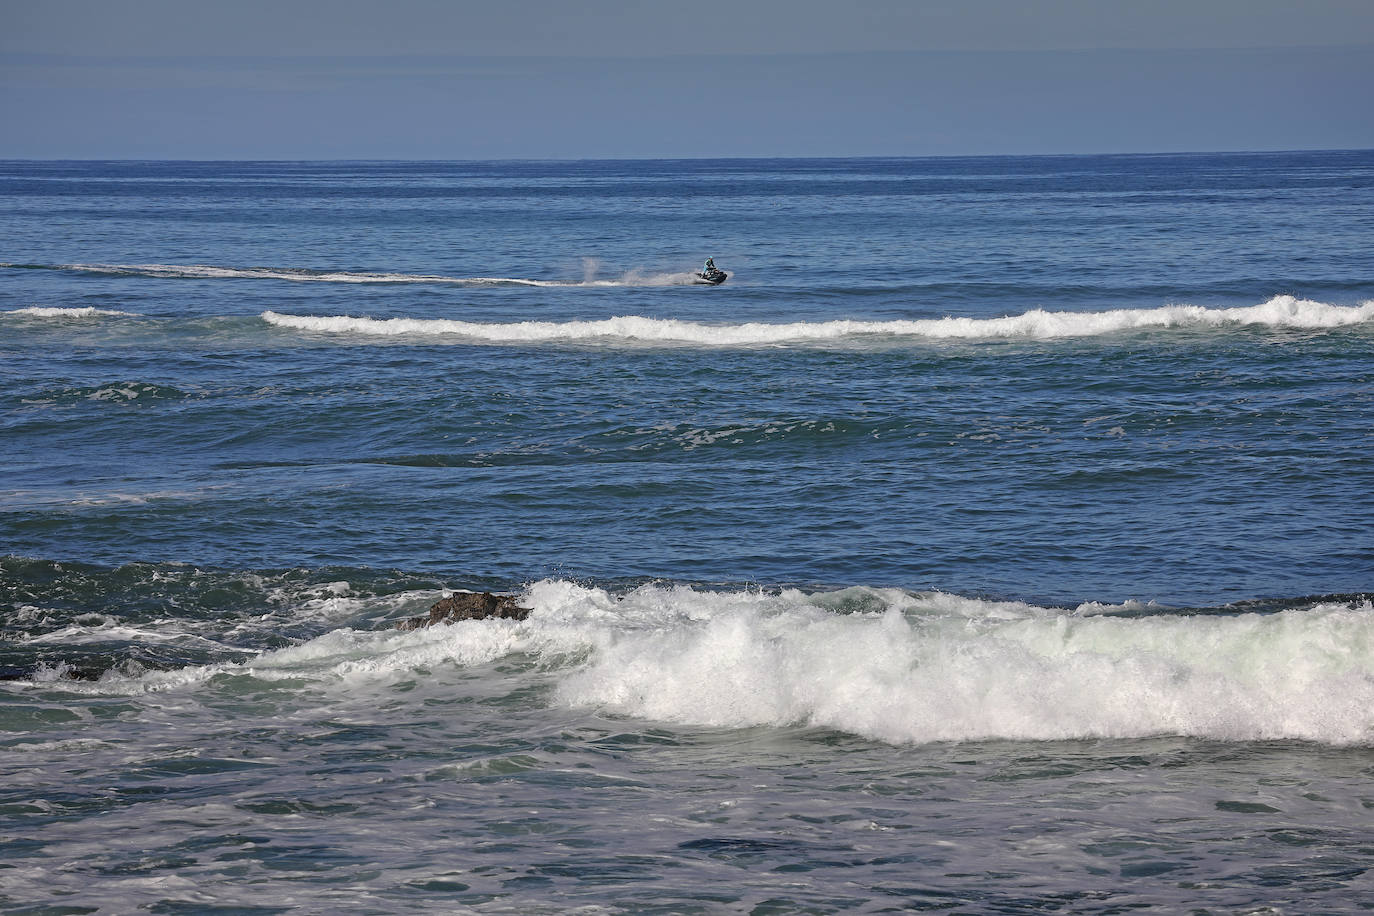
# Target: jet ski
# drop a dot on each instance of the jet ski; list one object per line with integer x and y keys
{"x": 712, "y": 277}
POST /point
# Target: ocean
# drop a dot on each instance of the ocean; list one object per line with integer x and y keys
{"x": 998, "y": 538}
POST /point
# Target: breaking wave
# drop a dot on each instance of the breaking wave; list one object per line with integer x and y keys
{"x": 1278, "y": 312}
{"x": 901, "y": 668}
{"x": 882, "y": 664}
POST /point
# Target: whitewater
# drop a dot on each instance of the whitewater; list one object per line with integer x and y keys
{"x": 996, "y": 539}
{"x": 883, "y": 665}
{"x": 1278, "y": 312}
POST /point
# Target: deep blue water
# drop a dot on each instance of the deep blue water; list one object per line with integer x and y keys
{"x": 1193, "y": 465}
{"x": 980, "y": 481}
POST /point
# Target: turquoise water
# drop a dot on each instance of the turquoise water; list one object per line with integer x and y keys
{"x": 995, "y": 539}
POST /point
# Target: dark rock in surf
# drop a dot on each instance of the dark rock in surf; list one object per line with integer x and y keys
{"x": 468, "y": 606}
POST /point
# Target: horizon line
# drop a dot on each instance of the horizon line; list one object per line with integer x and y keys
{"x": 754, "y": 158}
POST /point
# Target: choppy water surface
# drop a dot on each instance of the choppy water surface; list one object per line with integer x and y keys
{"x": 996, "y": 539}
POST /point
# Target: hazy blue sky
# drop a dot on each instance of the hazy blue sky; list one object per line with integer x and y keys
{"x": 610, "y": 78}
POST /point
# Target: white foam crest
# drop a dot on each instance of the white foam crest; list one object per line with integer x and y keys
{"x": 306, "y": 275}
{"x": 1041, "y": 675}
{"x": 37, "y": 311}
{"x": 1279, "y": 312}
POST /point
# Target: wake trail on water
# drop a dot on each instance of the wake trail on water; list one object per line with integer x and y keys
{"x": 1038, "y": 324}
{"x": 633, "y": 278}
{"x": 882, "y": 664}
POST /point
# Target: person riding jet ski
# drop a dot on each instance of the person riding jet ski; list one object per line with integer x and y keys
{"x": 710, "y": 273}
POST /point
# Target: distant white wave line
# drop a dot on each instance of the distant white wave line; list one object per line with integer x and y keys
{"x": 300, "y": 275}
{"x": 1279, "y": 312}
{"x": 37, "y": 311}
